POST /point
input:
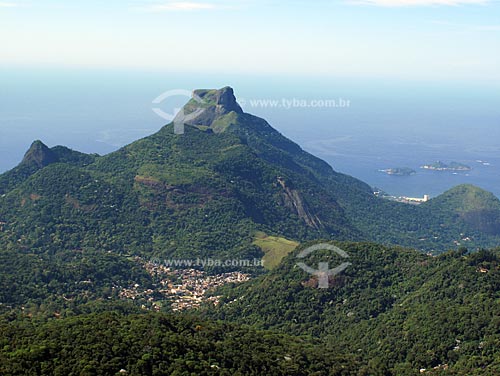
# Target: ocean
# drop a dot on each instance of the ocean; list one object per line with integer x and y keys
{"x": 385, "y": 125}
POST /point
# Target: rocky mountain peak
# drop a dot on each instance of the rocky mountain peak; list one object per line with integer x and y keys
{"x": 39, "y": 155}
{"x": 223, "y": 99}
{"x": 210, "y": 106}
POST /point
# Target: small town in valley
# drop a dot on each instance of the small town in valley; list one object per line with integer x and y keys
{"x": 181, "y": 288}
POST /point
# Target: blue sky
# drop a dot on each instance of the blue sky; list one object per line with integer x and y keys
{"x": 401, "y": 39}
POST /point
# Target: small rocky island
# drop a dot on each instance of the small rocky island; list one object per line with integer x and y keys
{"x": 452, "y": 166}
{"x": 399, "y": 171}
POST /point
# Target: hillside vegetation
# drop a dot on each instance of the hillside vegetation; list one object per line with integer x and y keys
{"x": 393, "y": 307}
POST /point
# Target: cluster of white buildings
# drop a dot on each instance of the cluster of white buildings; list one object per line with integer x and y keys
{"x": 182, "y": 288}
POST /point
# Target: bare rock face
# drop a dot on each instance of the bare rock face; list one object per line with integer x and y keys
{"x": 39, "y": 155}
{"x": 293, "y": 200}
{"x": 224, "y": 99}
{"x": 209, "y": 106}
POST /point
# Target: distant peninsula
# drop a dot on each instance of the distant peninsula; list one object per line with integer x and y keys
{"x": 452, "y": 166}
{"x": 399, "y": 171}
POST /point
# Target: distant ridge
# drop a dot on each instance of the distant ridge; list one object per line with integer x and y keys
{"x": 475, "y": 206}
{"x": 38, "y": 157}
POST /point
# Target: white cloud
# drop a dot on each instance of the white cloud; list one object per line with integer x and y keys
{"x": 180, "y": 6}
{"x": 4, "y": 4}
{"x": 413, "y": 3}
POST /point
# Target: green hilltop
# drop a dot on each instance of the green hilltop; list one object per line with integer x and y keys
{"x": 471, "y": 205}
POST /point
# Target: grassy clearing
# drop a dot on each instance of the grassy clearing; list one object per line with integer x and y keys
{"x": 274, "y": 247}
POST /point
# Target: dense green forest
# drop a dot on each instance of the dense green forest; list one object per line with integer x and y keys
{"x": 397, "y": 308}
{"x": 157, "y": 344}
{"x": 393, "y": 311}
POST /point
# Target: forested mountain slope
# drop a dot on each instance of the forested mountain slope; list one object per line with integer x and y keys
{"x": 396, "y": 308}
{"x": 206, "y": 192}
